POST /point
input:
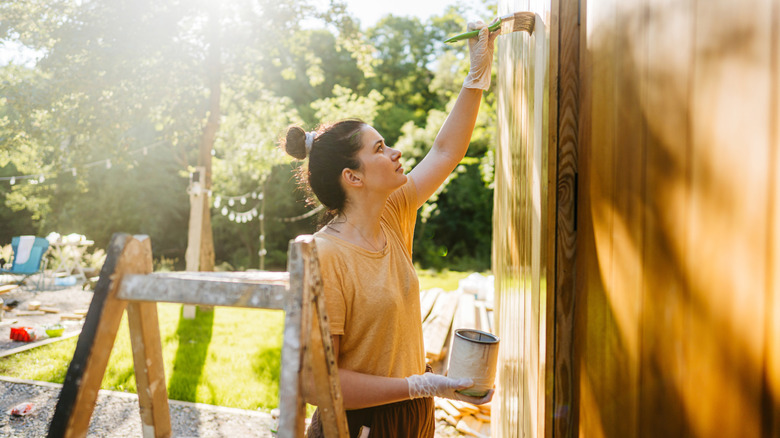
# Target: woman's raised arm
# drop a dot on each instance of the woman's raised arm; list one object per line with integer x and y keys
{"x": 453, "y": 138}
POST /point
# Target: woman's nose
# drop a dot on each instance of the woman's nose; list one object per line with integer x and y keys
{"x": 394, "y": 153}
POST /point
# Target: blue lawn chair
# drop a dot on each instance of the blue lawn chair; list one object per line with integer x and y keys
{"x": 32, "y": 265}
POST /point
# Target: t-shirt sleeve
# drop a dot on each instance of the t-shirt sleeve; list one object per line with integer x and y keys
{"x": 401, "y": 212}
{"x": 332, "y": 288}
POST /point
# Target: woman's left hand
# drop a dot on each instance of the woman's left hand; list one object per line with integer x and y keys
{"x": 430, "y": 385}
{"x": 481, "y": 56}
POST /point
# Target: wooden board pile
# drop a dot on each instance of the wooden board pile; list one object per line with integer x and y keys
{"x": 442, "y": 313}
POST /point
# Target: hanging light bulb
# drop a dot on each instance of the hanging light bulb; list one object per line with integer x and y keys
{"x": 213, "y": 153}
{"x": 231, "y": 202}
{"x": 224, "y": 211}
{"x": 108, "y": 164}
{"x": 243, "y": 200}
{"x": 41, "y": 179}
{"x": 73, "y": 171}
{"x": 217, "y": 200}
{"x": 260, "y": 196}
{"x": 254, "y": 195}
{"x": 13, "y": 180}
{"x": 145, "y": 150}
{"x": 262, "y": 217}
{"x": 232, "y": 216}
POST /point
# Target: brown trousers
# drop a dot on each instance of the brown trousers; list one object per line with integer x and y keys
{"x": 406, "y": 419}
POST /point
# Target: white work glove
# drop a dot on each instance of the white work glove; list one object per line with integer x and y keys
{"x": 481, "y": 55}
{"x": 435, "y": 385}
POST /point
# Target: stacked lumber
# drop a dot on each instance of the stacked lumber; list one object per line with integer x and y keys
{"x": 442, "y": 312}
{"x": 467, "y": 419}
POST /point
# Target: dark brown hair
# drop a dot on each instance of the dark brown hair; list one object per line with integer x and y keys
{"x": 334, "y": 149}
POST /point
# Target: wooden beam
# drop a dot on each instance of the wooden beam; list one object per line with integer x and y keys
{"x": 437, "y": 326}
{"x": 125, "y": 254}
{"x": 149, "y": 370}
{"x": 560, "y": 420}
{"x": 291, "y": 405}
{"x": 321, "y": 363}
{"x": 428, "y": 300}
{"x": 255, "y": 290}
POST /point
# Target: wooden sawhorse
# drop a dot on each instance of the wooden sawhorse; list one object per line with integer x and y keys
{"x": 127, "y": 282}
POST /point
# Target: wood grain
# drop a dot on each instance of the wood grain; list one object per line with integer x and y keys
{"x": 560, "y": 411}
{"x": 149, "y": 370}
{"x": 125, "y": 254}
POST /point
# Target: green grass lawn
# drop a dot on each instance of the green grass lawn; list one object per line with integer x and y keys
{"x": 226, "y": 357}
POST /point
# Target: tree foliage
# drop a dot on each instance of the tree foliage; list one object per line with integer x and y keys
{"x": 105, "y": 123}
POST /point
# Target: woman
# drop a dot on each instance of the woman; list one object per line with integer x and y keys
{"x": 365, "y": 253}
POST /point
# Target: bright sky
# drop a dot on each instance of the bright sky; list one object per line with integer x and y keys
{"x": 370, "y": 11}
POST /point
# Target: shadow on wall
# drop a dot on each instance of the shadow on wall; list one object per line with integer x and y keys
{"x": 675, "y": 214}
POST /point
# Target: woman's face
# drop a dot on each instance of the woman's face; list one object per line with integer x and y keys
{"x": 380, "y": 164}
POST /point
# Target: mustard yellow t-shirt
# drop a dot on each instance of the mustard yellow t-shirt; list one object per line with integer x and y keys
{"x": 373, "y": 298}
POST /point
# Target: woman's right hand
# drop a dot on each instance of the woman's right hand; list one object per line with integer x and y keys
{"x": 436, "y": 385}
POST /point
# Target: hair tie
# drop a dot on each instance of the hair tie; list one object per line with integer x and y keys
{"x": 310, "y": 141}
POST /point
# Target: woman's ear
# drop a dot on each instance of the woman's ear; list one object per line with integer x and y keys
{"x": 351, "y": 177}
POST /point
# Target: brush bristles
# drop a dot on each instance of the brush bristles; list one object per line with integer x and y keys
{"x": 520, "y": 21}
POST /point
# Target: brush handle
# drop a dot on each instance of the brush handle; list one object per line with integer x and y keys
{"x": 471, "y": 34}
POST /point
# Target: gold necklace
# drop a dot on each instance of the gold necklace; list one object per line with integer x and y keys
{"x": 361, "y": 235}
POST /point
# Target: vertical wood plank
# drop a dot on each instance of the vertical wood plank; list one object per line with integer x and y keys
{"x": 667, "y": 196}
{"x": 560, "y": 412}
{"x": 322, "y": 361}
{"x": 598, "y": 375}
{"x": 727, "y": 238}
{"x": 771, "y": 402}
{"x": 149, "y": 370}
{"x": 510, "y": 212}
{"x": 547, "y": 394}
{"x": 625, "y": 292}
{"x": 125, "y": 254}
{"x": 291, "y": 404}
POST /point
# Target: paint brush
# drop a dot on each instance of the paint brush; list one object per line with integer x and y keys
{"x": 518, "y": 21}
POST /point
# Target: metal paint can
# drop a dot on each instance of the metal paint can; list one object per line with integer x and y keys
{"x": 474, "y": 355}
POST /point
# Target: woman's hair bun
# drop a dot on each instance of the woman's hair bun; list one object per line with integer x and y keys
{"x": 295, "y": 142}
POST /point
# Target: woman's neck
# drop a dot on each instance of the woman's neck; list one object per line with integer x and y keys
{"x": 360, "y": 225}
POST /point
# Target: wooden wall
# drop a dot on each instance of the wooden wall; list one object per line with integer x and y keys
{"x": 678, "y": 242}
{"x": 521, "y": 218}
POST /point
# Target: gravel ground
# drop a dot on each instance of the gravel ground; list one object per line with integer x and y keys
{"x": 116, "y": 415}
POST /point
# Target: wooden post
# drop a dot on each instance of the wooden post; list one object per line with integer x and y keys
{"x": 192, "y": 256}
{"x": 320, "y": 361}
{"x": 149, "y": 371}
{"x": 291, "y": 406}
{"x": 126, "y": 254}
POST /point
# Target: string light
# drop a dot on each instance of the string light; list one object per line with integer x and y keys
{"x": 40, "y": 178}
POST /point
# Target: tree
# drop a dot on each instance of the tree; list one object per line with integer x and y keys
{"x": 121, "y": 75}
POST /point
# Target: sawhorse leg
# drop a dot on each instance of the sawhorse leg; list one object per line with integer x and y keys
{"x": 126, "y": 255}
